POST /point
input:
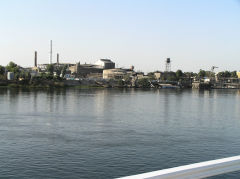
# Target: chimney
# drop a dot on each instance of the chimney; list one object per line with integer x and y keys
{"x": 57, "y": 58}
{"x": 35, "y": 59}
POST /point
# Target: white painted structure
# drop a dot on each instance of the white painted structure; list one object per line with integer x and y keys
{"x": 10, "y": 76}
{"x": 105, "y": 64}
{"x": 194, "y": 171}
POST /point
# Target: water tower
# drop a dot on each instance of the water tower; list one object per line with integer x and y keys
{"x": 168, "y": 65}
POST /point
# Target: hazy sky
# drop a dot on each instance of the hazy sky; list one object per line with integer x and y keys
{"x": 195, "y": 34}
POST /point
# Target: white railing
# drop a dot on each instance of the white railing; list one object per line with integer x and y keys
{"x": 195, "y": 171}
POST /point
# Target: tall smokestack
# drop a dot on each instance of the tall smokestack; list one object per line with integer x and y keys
{"x": 57, "y": 58}
{"x": 35, "y": 59}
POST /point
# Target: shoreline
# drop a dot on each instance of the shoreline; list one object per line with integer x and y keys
{"x": 93, "y": 84}
{"x": 100, "y": 87}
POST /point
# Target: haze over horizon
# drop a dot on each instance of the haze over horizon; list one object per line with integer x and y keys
{"x": 194, "y": 34}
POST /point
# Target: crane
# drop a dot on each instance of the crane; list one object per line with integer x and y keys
{"x": 212, "y": 69}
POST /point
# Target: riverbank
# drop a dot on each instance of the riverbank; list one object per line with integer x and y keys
{"x": 84, "y": 83}
{"x": 101, "y": 83}
{"x": 47, "y": 86}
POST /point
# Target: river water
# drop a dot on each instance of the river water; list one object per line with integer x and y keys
{"x": 108, "y": 133}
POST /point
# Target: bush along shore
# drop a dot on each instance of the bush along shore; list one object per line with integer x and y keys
{"x": 53, "y": 82}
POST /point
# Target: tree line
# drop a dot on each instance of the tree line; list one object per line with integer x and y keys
{"x": 26, "y": 75}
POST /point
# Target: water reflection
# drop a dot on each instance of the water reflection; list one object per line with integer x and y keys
{"x": 85, "y": 132}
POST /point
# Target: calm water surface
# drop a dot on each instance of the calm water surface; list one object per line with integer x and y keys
{"x": 102, "y": 133}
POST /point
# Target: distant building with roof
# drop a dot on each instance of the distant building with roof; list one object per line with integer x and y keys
{"x": 118, "y": 73}
{"x": 85, "y": 70}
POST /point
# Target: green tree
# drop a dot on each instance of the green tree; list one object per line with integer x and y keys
{"x": 64, "y": 70}
{"x": 127, "y": 79}
{"x": 49, "y": 76}
{"x": 22, "y": 74}
{"x": 210, "y": 74}
{"x": 151, "y": 76}
{"x": 50, "y": 69}
{"x": 179, "y": 74}
{"x": 190, "y": 74}
{"x": 25, "y": 75}
{"x": 120, "y": 83}
{"x": 202, "y": 74}
{"x": 58, "y": 71}
{"x": 2, "y": 77}
{"x": 220, "y": 74}
{"x": 143, "y": 83}
{"x": 2, "y": 70}
{"x": 234, "y": 74}
{"x": 43, "y": 75}
{"x": 28, "y": 75}
{"x": 227, "y": 74}
{"x": 224, "y": 74}
{"x": 170, "y": 76}
{"x": 13, "y": 67}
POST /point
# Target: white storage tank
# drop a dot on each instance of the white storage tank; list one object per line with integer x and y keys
{"x": 10, "y": 76}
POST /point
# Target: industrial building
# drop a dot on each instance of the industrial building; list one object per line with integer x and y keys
{"x": 118, "y": 73}
{"x": 91, "y": 70}
{"x": 105, "y": 64}
{"x": 78, "y": 70}
{"x": 84, "y": 70}
{"x": 158, "y": 75}
{"x": 238, "y": 74}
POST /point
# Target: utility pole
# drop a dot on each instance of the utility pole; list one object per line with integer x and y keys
{"x": 50, "y": 52}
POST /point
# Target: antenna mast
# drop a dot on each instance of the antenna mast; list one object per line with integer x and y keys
{"x": 50, "y": 52}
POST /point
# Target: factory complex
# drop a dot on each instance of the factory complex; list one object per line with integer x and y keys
{"x": 104, "y": 73}
{"x": 102, "y": 68}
